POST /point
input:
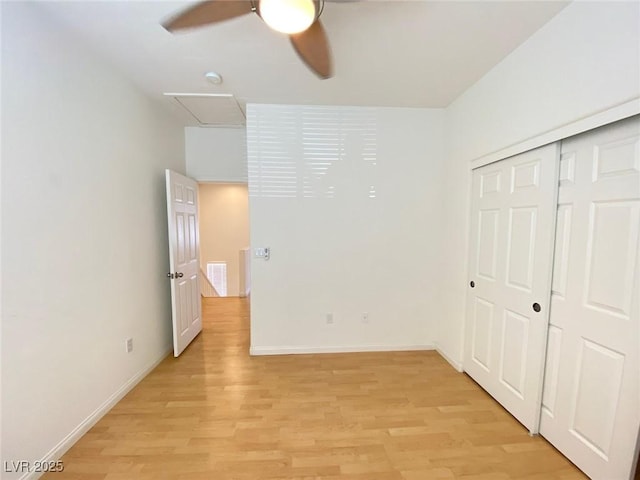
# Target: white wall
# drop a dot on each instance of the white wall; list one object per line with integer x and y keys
{"x": 245, "y": 272}
{"x": 224, "y": 228}
{"x": 333, "y": 247}
{"x": 84, "y": 236}
{"x": 1, "y": 304}
{"x": 216, "y": 154}
{"x": 584, "y": 61}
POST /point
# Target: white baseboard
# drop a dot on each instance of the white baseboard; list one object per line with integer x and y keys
{"x": 453, "y": 363}
{"x": 67, "y": 442}
{"x": 341, "y": 349}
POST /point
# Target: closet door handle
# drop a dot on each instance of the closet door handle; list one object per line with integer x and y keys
{"x": 472, "y": 284}
{"x": 536, "y": 307}
{"x": 179, "y": 274}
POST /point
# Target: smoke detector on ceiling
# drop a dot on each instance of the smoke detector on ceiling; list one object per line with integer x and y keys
{"x": 213, "y": 77}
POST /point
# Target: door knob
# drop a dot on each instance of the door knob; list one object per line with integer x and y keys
{"x": 170, "y": 275}
{"x": 472, "y": 284}
{"x": 536, "y": 307}
{"x": 179, "y": 274}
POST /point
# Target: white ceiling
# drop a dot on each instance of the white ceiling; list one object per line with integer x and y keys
{"x": 386, "y": 53}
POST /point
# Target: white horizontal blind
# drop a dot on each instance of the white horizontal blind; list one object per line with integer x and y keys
{"x": 300, "y": 151}
{"x": 217, "y": 275}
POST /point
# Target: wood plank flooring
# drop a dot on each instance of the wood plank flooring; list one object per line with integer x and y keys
{"x": 216, "y": 413}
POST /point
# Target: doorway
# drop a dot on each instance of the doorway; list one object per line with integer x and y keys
{"x": 224, "y": 239}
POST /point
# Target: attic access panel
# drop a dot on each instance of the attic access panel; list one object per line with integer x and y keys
{"x": 213, "y": 109}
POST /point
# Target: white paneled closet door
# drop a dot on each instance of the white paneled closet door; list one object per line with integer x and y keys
{"x": 514, "y": 204}
{"x": 591, "y": 402}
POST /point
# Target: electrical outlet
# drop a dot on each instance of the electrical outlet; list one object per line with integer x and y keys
{"x": 129, "y": 345}
{"x": 365, "y": 317}
{"x": 329, "y": 318}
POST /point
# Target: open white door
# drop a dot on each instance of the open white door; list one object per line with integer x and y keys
{"x": 513, "y": 210}
{"x": 184, "y": 259}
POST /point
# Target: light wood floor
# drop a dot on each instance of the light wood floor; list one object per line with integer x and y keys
{"x": 216, "y": 413}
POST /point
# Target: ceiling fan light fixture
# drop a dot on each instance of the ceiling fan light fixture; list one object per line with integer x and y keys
{"x": 288, "y": 16}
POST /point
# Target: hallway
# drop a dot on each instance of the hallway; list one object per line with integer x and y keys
{"x": 215, "y": 413}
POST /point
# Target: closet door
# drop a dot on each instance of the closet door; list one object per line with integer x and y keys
{"x": 513, "y": 210}
{"x": 591, "y": 402}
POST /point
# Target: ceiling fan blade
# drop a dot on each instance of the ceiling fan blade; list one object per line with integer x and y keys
{"x": 312, "y": 46}
{"x": 204, "y": 13}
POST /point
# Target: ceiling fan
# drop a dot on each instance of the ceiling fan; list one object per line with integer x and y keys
{"x": 300, "y": 19}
